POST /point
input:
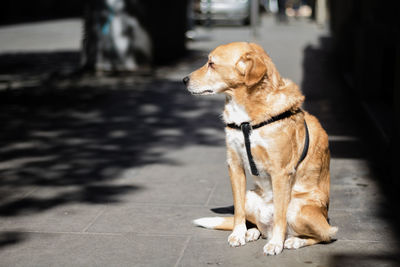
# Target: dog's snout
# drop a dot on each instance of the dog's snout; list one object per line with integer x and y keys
{"x": 186, "y": 80}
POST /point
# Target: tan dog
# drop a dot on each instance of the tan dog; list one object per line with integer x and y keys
{"x": 289, "y": 204}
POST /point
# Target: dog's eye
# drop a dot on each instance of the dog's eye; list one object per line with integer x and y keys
{"x": 211, "y": 64}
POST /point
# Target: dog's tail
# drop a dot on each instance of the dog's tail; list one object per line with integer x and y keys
{"x": 326, "y": 232}
{"x": 217, "y": 223}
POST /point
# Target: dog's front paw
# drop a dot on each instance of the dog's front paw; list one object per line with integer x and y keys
{"x": 273, "y": 248}
{"x": 238, "y": 236}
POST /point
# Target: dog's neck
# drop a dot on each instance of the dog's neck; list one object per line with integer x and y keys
{"x": 258, "y": 104}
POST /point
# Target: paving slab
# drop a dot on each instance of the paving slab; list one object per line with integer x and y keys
{"x": 212, "y": 252}
{"x": 62, "y": 218}
{"x": 350, "y": 171}
{"x": 153, "y": 220}
{"x": 359, "y": 197}
{"x": 360, "y": 225}
{"x": 93, "y": 250}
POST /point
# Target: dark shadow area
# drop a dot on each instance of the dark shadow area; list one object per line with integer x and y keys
{"x": 23, "y": 11}
{"x": 341, "y": 114}
{"x": 223, "y": 210}
{"x": 11, "y": 238}
{"x": 79, "y": 133}
{"x": 372, "y": 260}
{"x": 366, "y": 47}
{"x": 334, "y": 108}
{"x": 18, "y": 67}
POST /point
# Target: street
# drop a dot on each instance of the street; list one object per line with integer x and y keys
{"x": 110, "y": 171}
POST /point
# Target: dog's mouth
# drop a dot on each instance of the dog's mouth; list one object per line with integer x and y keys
{"x": 205, "y": 92}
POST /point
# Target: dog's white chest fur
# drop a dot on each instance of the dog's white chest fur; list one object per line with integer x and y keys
{"x": 234, "y": 113}
{"x": 235, "y": 140}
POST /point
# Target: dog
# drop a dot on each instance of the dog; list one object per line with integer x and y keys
{"x": 284, "y": 148}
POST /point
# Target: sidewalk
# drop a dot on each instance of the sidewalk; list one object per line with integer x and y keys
{"x": 111, "y": 171}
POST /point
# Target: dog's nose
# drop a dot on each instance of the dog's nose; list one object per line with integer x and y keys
{"x": 186, "y": 80}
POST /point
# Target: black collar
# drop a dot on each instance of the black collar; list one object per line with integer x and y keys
{"x": 246, "y": 128}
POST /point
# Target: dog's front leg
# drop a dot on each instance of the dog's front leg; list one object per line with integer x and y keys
{"x": 281, "y": 191}
{"x": 238, "y": 182}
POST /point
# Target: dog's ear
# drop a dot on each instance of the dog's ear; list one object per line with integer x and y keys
{"x": 252, "y": 67}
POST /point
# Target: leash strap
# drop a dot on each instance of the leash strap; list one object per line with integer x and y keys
{"x": 306, "y": 145}
{"x": 246, "y": 130}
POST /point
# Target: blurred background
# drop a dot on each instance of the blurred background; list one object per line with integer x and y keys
{"x": 106, "y": 156}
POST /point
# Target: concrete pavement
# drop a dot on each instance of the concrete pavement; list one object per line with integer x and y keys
{"x": 111, "y": 171}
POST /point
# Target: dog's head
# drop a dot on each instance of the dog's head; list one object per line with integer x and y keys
{"x": 231, "y": 66}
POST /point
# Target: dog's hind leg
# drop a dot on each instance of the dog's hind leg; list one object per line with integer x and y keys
{"x": 295, "y": 242}
{"x": 310, "y": 223}
{"x": 259, "y": 212}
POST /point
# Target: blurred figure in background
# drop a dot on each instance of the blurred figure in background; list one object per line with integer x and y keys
{"x": 121, "y": 35}
{"x": 114, "y": 40}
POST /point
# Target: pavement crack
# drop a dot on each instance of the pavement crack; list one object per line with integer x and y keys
{"x": 211, "y": 194}
{"x": 185, "y": 245}
{"x": 94, "y": 220}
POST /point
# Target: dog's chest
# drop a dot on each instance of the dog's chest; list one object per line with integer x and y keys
{"x": 235, "y": 141}
{"x": 236, "y": 114}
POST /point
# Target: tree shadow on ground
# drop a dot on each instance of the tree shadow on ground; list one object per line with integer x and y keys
{"x": 11, "y": 238}
{"x": 81, "y": 133}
